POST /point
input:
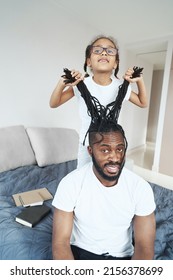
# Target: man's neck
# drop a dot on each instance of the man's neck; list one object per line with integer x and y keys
{"x": 103, "y": 181}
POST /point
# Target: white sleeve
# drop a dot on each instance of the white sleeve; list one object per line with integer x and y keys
{"x": 66, "y": 194}
{"x": 145, "y": 203}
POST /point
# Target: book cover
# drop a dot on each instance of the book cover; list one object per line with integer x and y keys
{"x": 31, "y": 198}
{"x": 32, "y": 215}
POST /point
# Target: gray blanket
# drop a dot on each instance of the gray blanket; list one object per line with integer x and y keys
{"x": 164, "y": 222}
{"x": 18, "y": 242}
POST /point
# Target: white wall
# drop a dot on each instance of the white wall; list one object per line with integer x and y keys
{"x": 163, "y": 112}
{"x": 134, "y": 119}
{"x": 38, "y": 39}
{"x": 166, "y": 155}
{"x": 154, "y": 105}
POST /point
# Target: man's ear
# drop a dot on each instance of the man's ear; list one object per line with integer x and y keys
{"x": 89, "y": 150}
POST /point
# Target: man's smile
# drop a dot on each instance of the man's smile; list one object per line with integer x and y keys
{"x": 112, "y": 168}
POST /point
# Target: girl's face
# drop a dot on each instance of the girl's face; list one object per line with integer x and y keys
{"x": 102, "y": 60}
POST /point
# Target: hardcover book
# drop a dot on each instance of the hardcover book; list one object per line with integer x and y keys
{"x": 32, "y": 215}
{"x": 31, "y": 198}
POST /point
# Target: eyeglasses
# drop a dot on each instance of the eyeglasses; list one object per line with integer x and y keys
{"x": 99, "y": 50}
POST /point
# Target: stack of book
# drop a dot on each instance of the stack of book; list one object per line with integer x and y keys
{"x": 32, "y": 215}
{"x": 34, "y": 209}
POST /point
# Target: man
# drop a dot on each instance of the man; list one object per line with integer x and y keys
{"x": 99, "y": 207}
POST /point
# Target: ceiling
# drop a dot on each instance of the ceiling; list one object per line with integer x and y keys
{"x": 143, "y": 26}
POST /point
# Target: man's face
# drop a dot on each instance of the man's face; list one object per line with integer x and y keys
{"x": 108, "y": 157}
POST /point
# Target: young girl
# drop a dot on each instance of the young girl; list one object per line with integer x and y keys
{"x": 102, "y": 58}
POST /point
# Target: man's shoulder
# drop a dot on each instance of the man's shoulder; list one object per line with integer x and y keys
{"x": 78, "y": 172}
{"x": 131, "y": 176}
{"x": 127, "y": 172}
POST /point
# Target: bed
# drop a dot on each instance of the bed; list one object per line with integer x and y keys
{"x": 32, "y": 158}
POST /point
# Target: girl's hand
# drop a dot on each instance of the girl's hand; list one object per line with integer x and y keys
{"x": 78, "y": 77}
{"x": 128, "y": 76}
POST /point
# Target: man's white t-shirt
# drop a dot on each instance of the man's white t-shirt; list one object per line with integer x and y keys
{"x": 105, "y": 95}
{"x": 103, "y": 215}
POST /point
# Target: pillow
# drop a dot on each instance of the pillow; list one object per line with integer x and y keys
{"x": 15, "y": 148}
{"x": 53, "y": 145}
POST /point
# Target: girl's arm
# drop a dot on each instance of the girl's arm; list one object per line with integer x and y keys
{"x": 60, "y": 95}
{"x": 140, "y": 98}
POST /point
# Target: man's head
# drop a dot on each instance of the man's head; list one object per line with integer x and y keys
{"x": 107, "y": 147}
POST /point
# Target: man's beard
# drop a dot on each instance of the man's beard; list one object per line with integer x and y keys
{"x": 105, "y": 176}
